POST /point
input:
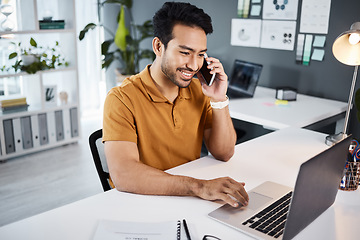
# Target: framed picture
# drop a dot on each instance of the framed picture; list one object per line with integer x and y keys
{"x": 50, "y": 95}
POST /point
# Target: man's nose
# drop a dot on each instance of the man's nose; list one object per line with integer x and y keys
{"x": 192, "y": 64}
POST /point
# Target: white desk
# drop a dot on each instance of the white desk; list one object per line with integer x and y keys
{"x": 254, "y": 162}
{"x": 303, "y": 112}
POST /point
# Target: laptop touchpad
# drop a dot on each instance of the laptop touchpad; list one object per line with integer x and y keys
{"x": 257, "y": 200}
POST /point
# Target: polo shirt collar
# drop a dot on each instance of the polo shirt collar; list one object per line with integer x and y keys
{"x": 154, "y": 93}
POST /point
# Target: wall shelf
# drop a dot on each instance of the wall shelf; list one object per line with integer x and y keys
{"x": 45, "y": 124}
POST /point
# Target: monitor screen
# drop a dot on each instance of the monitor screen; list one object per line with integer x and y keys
{"x": 245, "y": 76}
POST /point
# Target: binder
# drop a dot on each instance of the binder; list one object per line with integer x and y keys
{"x": 51, "y": 127}
{"x": 74, "y": 122}
{"x": 67, "y": 124}
{"x": 17, "y": 135}
{"x": 43, "y": 129}
{"x": 9, "y": 136}
{"x": 35, "y": 130}
{"x": 59, "y": 125}
{"x": 26, "y": 132}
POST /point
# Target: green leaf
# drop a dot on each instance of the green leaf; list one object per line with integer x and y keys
{"x": 13, "y": 55}
{"x": 121, "y": 32}
{"x": 107, "y": 61}
{"x": 33, "y": 42}
{"x": 86, "y": 29}
{"x": 105, "y": 46}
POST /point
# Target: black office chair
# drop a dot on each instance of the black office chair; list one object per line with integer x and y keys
{"x": 97, "y": 151}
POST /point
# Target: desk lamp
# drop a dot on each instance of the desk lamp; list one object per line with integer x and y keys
{"x": 346, "y": 50}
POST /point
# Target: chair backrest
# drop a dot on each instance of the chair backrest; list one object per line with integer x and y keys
{"x": 97, "y": 151}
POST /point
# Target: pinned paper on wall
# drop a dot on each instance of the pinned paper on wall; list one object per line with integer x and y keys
{"x": 307, "y": 49}
{"x": 300, "y": 48}
{"x": 319, "y": 41}
{"x": 318, "y": 54}
{"x": 245, "y": 32}
{"x": 315, "y": 16}
{"x": 243, "y": 8}
{"x": 278, "y": 35}
{"x": 255, "y": 10}
{"x": 283, "y": 10}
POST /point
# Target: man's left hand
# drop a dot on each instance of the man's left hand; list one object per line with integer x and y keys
{"x": 217, "y": 90}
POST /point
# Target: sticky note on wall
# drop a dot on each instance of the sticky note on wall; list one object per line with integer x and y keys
{"x": 319, "y": 41}
{"x": 318, "y": 54}
{"x": 300, "y": 47}
{"x": 307, "y": 49}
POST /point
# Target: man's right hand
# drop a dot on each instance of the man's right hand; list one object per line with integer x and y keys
{"x": 225, "y": 188}
{"x": 129, "y": 174}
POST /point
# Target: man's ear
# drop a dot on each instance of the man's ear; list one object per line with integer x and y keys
{"x": 158, "y": 47}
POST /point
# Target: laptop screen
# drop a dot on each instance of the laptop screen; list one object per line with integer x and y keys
{"x": 245, "y": 76}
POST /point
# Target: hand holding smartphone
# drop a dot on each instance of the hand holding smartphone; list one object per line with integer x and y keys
{"x": 205, "y": 72}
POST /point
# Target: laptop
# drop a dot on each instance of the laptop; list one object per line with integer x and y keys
{"x": 244, "y": 79}
{"x": 279, "y": 212}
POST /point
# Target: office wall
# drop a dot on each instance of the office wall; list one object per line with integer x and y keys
{"x": 328, "y": 79}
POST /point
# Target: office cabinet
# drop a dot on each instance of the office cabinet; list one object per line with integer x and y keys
{"x": 59, "y": 126}
{"x": 9, "y": 136}
{"x": 17, "y": 134}
{"x": 67, "y": 124}
{"x": 44, "y": 124}
{"x": 38, "y": 131}
{"x": 51, "y": 127}
{"x": 35, "y": 130}
{"x": 74, "y": 122}
{"x": 43, "y": 129}
{"x": 26, "y": 132}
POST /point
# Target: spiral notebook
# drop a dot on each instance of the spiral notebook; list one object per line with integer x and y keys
{"x": 122, "y": 230}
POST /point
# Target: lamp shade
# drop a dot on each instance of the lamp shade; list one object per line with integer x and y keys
{"x": 346, "y": 47}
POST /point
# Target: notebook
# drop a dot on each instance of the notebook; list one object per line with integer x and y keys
{"x": 123, "y": 230}
{"x": 290, "y": 210}
{"x": 244, "y": 79}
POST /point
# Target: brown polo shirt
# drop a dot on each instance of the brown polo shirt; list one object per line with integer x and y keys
{"x": 167, "y": 134}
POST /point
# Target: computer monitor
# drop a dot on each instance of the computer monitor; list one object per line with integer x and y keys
{"x": 244, "y": 79}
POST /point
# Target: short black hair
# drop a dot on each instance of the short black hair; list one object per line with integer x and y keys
{"x": 172, "y": 13}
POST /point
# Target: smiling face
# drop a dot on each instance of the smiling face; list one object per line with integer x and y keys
{"x": 184, "y": 54}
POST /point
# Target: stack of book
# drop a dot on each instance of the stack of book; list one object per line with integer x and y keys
{"x": 14, "y": 104}
{"x": 52, "y": 24}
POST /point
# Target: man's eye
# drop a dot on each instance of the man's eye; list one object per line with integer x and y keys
{"x": 185, "y": 53}
{"x": 201, "y": 55}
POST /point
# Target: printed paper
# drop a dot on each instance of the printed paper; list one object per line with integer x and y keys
{"x": 278, "y": 35}
{"x": 245, "y": 32}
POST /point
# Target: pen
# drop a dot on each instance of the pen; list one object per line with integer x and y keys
{"x": 186, "y": 230}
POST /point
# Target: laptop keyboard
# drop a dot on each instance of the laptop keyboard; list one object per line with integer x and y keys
{"x": 271, "y": 220}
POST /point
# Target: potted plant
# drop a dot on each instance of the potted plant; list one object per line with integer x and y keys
{"x": 35, "y": 58}
{"x": 126, "y": 40}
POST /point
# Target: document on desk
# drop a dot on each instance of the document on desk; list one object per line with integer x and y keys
{"x": 121, "y": 230}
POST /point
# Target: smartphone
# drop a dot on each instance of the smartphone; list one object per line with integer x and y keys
{"x": 205, "y": 72}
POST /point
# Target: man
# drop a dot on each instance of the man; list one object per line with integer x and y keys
{"x": 158, "y": 118}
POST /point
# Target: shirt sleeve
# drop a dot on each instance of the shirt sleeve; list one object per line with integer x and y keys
{"x": 118, "y": 121}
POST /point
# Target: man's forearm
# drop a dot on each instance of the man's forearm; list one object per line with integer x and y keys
{"x": 143, "y": 179}
{"x": 149, "y": 181}
{"x": 223, "y": 137}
